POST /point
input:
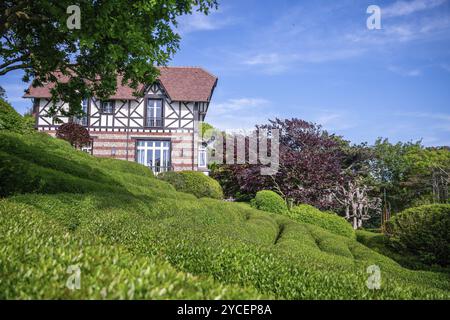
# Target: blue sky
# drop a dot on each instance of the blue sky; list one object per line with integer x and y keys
{"x": 316, "y": 60}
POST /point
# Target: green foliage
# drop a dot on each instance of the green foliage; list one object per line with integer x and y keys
{"x": 36, "y": 253}
{"x": 9, "y": 118}
{"x": 132, "y": 230}
{"x": 193, "y": 182}
{"x": 29, "y": 122}
{"x": 27, "y": 164}
{"x": 407, "y": 171}
{"x": 425, "y": 232}
{"x": 382, "y": 244}
{"x": 327, "y": 220}
{"x": 269, "y": 201}
{"x": 12, "y": 121}
{"x": 204, "y": 127}
{"x": 141, "y": 35}
{"x": 428, "y": 175}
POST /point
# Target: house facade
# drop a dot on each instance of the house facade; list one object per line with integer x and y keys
{"x": 159, "y": 130}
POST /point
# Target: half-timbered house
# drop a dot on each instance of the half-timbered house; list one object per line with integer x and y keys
{"x": 158, "y": 129}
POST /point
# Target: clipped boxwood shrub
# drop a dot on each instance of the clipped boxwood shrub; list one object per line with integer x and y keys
{"x": 9, "y": 118}
{"x": 425, "y": 232}
{"x": 114, "y": 231}
{"x": 326, "y": 220}
{"x": 126, "y": 167}
{"x": 270, "y": 201}
{"x": 194, "y": 182}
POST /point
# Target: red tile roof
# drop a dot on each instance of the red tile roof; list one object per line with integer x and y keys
{"x": 180, "y": 83}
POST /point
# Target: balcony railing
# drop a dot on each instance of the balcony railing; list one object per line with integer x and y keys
{"x": 159, "y": 169}
{"x": 153, "y": 122}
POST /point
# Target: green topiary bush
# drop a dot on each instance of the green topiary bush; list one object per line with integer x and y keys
{"x": 36, "y": 252}
{"x": 270, "y": 201}
{"x": 193, "y": 182}
{"x": 9, "y": 118}
{"x": 132, "y": 232}
{"x": 329, "y": 221}
{"x": 424, "y": 231}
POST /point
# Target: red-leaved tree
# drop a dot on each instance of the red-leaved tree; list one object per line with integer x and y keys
{"x": 310, "y": 165}
{"x": 75, "y": 134}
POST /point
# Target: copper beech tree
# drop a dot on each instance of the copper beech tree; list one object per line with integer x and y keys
{"x": 309, "y": 166}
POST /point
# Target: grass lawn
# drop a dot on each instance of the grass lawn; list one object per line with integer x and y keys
{"x": 134, "y": 236}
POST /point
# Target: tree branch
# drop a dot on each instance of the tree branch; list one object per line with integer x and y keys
{"x": 10, "y": 62}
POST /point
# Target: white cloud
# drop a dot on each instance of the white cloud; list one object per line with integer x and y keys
{"x": 263, "y": 58}
{"x": 327, "y": 119}
{"x": 404, "y": 8}
{"x": 308, "y": 34}
{"x": 269, "y": 63}
{"x": 431, "y": 127}
{"x": 445, "y": 67}
{"x": 240, "y": 113}
{"x": 333, "y": 121}
{"x": 277, "y": 62}
{"x": 395, "y": 34}
{"x": 427, "y": 115}
{"x": 233, "y": 105}
{"x": 405, "y": 72}
{"x": 198, "y": 21}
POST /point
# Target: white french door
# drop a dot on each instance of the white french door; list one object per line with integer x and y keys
{"x": 154, "y": 154}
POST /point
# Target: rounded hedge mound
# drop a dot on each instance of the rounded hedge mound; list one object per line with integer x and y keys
{"x": 270, "y": 201}
{"x": 194, "y": 182}
{"x": 326, "y": 220}
{"x": 424, "y": 231}
{"x": 9, "y": 118}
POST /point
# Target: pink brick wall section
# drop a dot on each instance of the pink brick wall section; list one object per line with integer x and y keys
{"x": 181, "y": 143}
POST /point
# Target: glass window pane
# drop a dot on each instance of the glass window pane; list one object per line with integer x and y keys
{"x": 84, "y": 105}
{"x": 166, "y": 158}
{"x": 157, "y": 160}
{"x": 107, "y": 106}
{"x": 149, "y": 108}
{"x": 158, "y": 109}
{"x": 154, "y": 154}
{"x": 202, "y": 158}
{"x": 154, "y": 113}
{"x": 150, "y": 157}
{"x": 140, "y": 156}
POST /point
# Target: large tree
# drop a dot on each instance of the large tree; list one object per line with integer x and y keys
{"x": 310, "y": 166}
{"x": 128, "y": 37}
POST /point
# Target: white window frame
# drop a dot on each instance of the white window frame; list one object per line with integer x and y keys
{"x": 153, "y": 107}
{"x": 202, "y": 155}
{"x": 142, "y": 148}
{"x": 107, "y": 107}
{"x": 88, "y": 148}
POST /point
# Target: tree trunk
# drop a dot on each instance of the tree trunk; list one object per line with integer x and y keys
{"x": 360, "y": 223}
{"x": 347, "y": 212}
